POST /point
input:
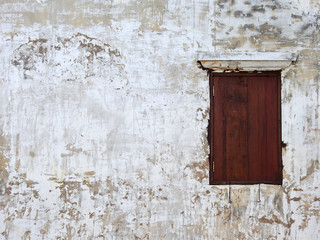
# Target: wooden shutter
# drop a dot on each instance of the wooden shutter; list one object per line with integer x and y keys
{"x": 246, "y": 129}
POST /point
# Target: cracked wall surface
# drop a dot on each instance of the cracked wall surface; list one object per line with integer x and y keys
{"x": 104, "y": 116}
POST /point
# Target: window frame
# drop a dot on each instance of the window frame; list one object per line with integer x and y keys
{"x": 211, "y": 140}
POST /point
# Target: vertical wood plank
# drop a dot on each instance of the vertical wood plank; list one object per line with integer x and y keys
{"x": 257, "y": 133}
{"x": 211, "y": 138}
{"x": 279, "y": 126}
{"x": 272, "y": 128}
{"x": 235, "y": 114}
{"x": 219, "y": 130}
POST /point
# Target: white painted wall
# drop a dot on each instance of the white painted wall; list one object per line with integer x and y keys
{"x": 104, "y": 116}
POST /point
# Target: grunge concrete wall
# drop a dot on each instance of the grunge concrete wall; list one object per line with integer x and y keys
{"x": 104, "y": 113}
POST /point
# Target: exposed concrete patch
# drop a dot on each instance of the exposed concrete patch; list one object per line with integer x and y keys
{"x": 199, "y": 170}
{"x": 4, "y": 162}
{"x": 42, "y": 56}
{"x": 275, "y": 219}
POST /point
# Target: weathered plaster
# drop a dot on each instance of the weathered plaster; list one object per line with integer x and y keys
{"x": 104, "y": 116}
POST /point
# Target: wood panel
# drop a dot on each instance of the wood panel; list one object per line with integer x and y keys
{"x": 246, "y": 128}
{"x": 235, "y": 115}
{"x": 219, "y": 131}
{"x": 257, "y": 133}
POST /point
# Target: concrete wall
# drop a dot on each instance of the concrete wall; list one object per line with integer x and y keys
{"x": 104, "y": 116}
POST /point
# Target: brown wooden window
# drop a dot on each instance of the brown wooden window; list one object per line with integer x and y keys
{"x": 245, "y": 128}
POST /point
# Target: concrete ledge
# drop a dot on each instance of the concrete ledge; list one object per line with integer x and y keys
{"x": 246, "y": 61}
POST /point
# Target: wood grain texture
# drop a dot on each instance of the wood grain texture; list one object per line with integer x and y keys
{"x": 247, "y": 131}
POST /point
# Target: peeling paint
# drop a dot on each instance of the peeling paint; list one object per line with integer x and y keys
{"x": 104, "y": 116}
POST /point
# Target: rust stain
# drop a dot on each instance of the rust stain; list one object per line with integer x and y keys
{"x": 286, "y": 191}
{"x": 304, "y": 224}
{"x": 32, "y": 154}
{"x": 90, "y": 173}
{"x": 258, "y": 8}
{"x": 296, "y": 199}
{"x": 204, "y": 113}
{"x": 4, "y": 174}
{"x": 30, "y": 183}
{"x": 199, "y": 169}
{"x": 73, "y": 150}
{"x": 4, "y": 161}
{"x": 275, "y": 219}
{"x": 26, "y": 235}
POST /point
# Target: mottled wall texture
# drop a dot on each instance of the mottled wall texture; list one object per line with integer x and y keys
{"x": 104, "y": 115}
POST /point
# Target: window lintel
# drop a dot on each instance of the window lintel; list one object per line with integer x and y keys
{"x": 246, "y": 61}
